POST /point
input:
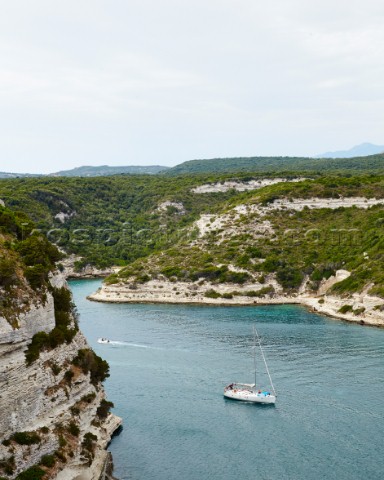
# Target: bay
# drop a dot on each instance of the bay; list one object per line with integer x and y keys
{"x": 170, "y": 363}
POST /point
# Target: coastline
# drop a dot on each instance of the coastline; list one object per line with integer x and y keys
{"x": 364, "y": 308}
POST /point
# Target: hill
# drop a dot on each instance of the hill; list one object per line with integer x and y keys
{"x": 113, "y": 219}
{"x": 18, "y": 175}
{"x": 288, "y": 234}
{"x": 315, "y": 242}
{"x": 281, "y": 165}
{"x": 362, "y": 150}
{"x": 105, "y": 170}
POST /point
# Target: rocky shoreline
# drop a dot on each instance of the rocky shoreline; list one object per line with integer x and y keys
{"x": 362, "y": 308}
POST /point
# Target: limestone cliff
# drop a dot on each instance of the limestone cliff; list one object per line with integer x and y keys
{"x": 54, "y": 418}
{"x": 43, "y": 398}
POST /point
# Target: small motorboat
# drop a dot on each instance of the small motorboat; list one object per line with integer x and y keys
{"x": 103, "y": 340}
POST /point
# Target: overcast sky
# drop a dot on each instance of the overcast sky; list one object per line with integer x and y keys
{"x": 141, "y": 82}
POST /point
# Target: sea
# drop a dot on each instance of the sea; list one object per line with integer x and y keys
{"x": 169, "y": 365}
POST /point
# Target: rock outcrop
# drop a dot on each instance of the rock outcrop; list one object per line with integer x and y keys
{"x": 50, "y": 409}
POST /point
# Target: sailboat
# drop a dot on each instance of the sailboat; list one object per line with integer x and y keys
{"x": 249, "y": 392}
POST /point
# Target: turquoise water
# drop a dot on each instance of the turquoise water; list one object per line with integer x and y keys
{"x": 167, "y": 379}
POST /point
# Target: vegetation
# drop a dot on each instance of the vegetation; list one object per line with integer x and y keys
{"x": 32, "y": 473}
{"x": 91, "y": 363}
{"x": 88, "y": 446}
{"x": 109, "y": 220}
{"x": 26, "y": 259}
{"x": 116, "y": 220}
{"x": 104, "y": 170}
{"x": 26, "y": 438}
{"x": 309, "y": 244}
{"x": 48, "y": 461}
{"x": 286, "y": 165}
{"x": 104, "y": 408}
{"x": 65, "y": 327}
{"x": 73, "y": 429}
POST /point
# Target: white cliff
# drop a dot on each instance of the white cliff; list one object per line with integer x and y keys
{"x": 45, "y": 399}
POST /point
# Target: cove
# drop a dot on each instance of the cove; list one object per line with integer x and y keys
{"x": 169, "y": 366}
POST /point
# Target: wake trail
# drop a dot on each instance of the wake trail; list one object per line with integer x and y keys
{"x": 127, "y": 344}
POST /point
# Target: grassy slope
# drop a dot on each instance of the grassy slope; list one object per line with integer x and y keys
{"x": 311, "y": 242}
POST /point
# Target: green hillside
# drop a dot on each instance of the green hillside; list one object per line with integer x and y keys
{"x": 105, "y": 170}
{"x": 279, "y": 165}
{"x": 122, "y": 219}
{"x": 26, "y": 260}
{"x": 291, "y": 245}
{"x": 110, "y": 220}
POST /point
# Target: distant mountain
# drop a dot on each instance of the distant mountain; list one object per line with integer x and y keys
{"x": 279, "y": 165}
{"x": 105, "y": 170}
{"x": 18, "y": 175}
{"x": 362, "y": 150}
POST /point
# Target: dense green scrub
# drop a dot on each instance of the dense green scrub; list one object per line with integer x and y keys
{"x": 111, "y": 220}
{"x": 309, "y": 244}
{"x": 117, "y": 220}
{"x": 282, "y": 165}
{"x": 26, "y": 260}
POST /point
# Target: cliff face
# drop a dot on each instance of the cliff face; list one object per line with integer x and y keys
{"x": 48, "y": 409}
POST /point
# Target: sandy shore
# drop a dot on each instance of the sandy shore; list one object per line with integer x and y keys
{"x": 365, "y": 308}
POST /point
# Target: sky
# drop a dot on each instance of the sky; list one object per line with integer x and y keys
{"x": 159, "y": 82}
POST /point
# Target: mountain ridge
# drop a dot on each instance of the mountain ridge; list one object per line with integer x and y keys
{"x": 361, "y": 150}
{"x": 371, "y": 154}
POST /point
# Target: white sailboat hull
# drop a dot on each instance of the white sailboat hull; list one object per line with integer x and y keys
{"x": 240, "y": 392}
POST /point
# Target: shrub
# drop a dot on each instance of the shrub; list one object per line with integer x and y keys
{"x": 33, "y": 473}
{"x": 345, "y": 309}
{"x": 36, "y": 275}
{"x": 8, "y": 465}
{"x": 62, "y": 441}
{"x": 60, "y": 456}
{"x": 64, "y": 312}
{"x": 7, "y": 272}
{"x": 75, "y": 411}
{"x": 212, "y": 294}
{"x": 48, "y": 461}
{"x": 39, "y": 341}
{"x": 358, "y": 311}
{"x": 69, "y": 376}
{"x": 88, "y": 441}
{"x": 260, "y": 293}
{"x": 254, "y": 252}
{"x": 88, "y": 398}
{"x": 26, "y": 438}
{"x": 73, "y": 429}
{"x": 103, "y": 409}
{"x": 88, "y": 361}
{"x": 227, "y": 296}
{"x": 55, "y": 369}
{"x": 171, "y": 271}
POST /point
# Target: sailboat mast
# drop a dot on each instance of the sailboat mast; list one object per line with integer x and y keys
{"x": 265, "y": 362}
{"x": 254, "y": 352}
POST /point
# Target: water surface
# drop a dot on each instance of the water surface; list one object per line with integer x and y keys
{"x": 168, "y": 369}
